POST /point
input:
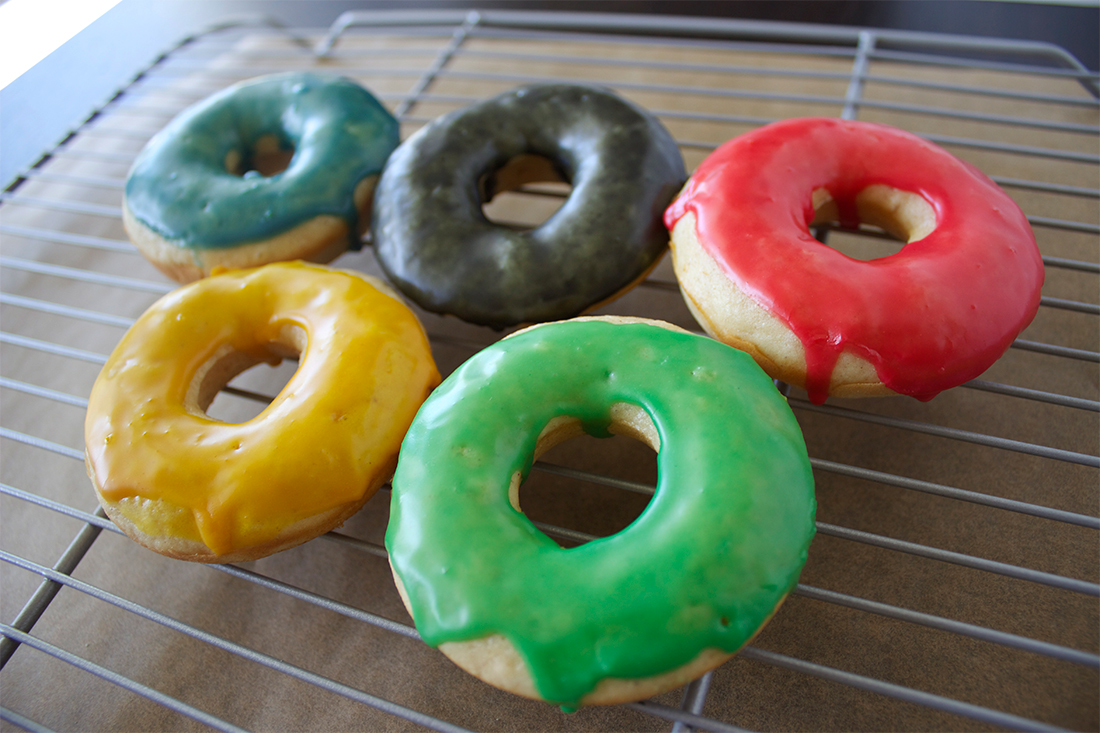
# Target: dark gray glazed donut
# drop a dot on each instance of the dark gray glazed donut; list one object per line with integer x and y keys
{"x": 433, "y": 240}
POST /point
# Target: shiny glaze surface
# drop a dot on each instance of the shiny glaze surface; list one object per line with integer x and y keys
{"x": 338, "y": 421}
{"x": 932, "y": 316}
{"x": 720, "y": 544}
{"x": 180, "y": 187}
{"x": 435, "y": 243}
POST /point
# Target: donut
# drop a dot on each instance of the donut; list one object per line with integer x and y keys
{"x": 933, "y": 315}
{"x": 623, "y": 617}
{"x": 191, "y": 487}
{"x": 436, "y": 245}
{"x": 277, "y": 168}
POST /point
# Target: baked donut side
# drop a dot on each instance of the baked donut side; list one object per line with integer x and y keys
{"x": 167, "y": 528}
{"x": 732, "y": 316}
{"x": 276, "y": 168}
{"x": 935, "y": 314}
{"x": 435, "y": 243}
{"x": 319, "y": 240}
{"x": 620, "y": 618}
{"x": 192, "y": 487}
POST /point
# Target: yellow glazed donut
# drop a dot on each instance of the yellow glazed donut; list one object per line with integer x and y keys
{"x": 191, "y": 487}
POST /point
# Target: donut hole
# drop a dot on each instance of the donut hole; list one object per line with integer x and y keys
{"x": 251, "y": 391}
{"x": 266, "y": 157}
{"x": 890, "y": 216}
{"x": 523, "y": 193}
{"x": 235, "y": 386}
{"x": 592, "y": 486}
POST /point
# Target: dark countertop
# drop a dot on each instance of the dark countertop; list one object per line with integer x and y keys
{"x": 39, "y": 108}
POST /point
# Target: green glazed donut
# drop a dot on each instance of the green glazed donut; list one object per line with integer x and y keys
{"x": 688, "y": 583}
{"x": 275, "y": 168}
{"x": 435, "y": 243}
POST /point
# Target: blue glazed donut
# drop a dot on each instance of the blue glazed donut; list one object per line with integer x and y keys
{"x": 435, "y": 243}
{"x": 276, "y": 168}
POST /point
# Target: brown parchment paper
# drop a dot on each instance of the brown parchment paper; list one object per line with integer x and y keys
{"x": 749, "y": 691}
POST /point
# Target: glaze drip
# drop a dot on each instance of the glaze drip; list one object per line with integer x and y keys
{"x": 717, "y": 548}
{"x": 930, "y": 317}
{"x": 336, "y": 424}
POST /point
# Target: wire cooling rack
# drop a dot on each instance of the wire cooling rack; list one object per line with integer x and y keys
{"x": 953, "y": 582}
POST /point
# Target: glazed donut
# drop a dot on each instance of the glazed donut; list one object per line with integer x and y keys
{"x": 623, "y": 617}
{"x": 435, "y": 243}
{"x": 932, "y": 316}
{"x": 281, "y": 167}
{"x": 191, "y": 487}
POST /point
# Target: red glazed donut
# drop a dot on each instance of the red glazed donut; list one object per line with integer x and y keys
{"x": 930, "y": 317}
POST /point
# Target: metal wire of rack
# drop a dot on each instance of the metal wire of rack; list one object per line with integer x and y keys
{"x": 954, "y": 580}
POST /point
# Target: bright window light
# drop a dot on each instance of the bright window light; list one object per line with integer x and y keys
{"x": 32, "y": 29}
